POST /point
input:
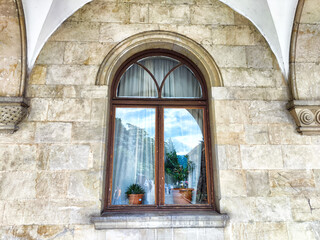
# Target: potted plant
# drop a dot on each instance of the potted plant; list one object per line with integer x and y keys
{"x": 135, "y": 194}
{"x": 181, "y": 193}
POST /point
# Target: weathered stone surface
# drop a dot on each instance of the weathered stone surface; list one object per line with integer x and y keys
{"x": 69, "y": 157}
{"x": 77, "y": 31}
{"x": 18, "y": 157}
{"x": 228, "y": 56}
{"x": 311, "y": 11}
{"x": 118, "y": 32}
{"x": 257, "y": 183}
{"x": 272, "y": 209}
{"x": 96, "y": 114}
{"x": 7, "y": 8}
{"x": 301, "y": 156}
{"x": 85, "y": 53}
{"x": 87, "y": 132}
{"x": 25, "y": 134}
{"x": 256, "y": 134}
{"x": 259, "y": 57}
{"x": 17, "y": 185}
{"x": 52, "y": 53}
{"x": 308, "y": 43}
{"x": 53, "y": 132}
{"x": 9, "y": 37}
{"x": 38, "y": 109}
{"x": 308, "y": 80}
{"x": 239, "y": 209}
{"x": 169, "y": 14}
{"x": 247, "y": 77}
{"x": 229, "y": 157}
{"x": 10, "y": 72}
{"x": 139, "y": 13}
{"x": 230, "y": 134}
{"x": 45, "y": 91}
{"x": 232, "y": 183}
{"x": 69, "y": 110}
{"x": 268, "y": 112}
{"x": 286, "y": 134}
{"x": 38, "y": 75}
{"x": 52, "y": 185}
{"x": 261, "y": 157}
{"x": 237, "y": 112}
{"x": 71, "y": 74}
{"x": 84, "y": 185}
{"x": 307, "y": 231}
{"x": 103, "y": 12}
{"x": 217, "y": 13}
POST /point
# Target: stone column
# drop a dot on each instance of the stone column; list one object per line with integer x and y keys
{"x": 13, "y": 105}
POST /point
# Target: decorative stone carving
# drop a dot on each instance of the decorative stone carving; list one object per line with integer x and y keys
{"x": 306, "y": 114}
{"x": 12, "y": 112}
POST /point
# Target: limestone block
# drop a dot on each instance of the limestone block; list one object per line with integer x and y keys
{"x": 306, "y": 231}
{"x": 103, "y": 12}
{"x": 257, "y": 183}
{"x": 230, "y": 134}
{"x": 199, "y": 33}
{"x": 38, "y": 109}
{"x": 71, "y": 74}
{"x": 69, "y": 157}
{"x": 53, "y": 132}
{"x": 77, "y": 31}
{"x": 86, "y": 53}
{"x": 81, "y": 212}
{"x": 301, "y": 156}
{"x": 231, "y": 112}
{"x": 197, "y": 234}
{"x": 272, "y": 209}
{"x": 261, "y": 157}
{"x": 45, "y": 91}
{"x": 8, "y": 8}
{"x": 52, "y": 185}
{"x": 88, "y": 132}
{"x": 256, "y": 134}
{"x": 13, "y": 213}
{"x": 169, "y": 14}
{"x": 139, "y": 13}
{"x": 247, "y": 77}
{"x": 49, "y": 231}
{"x": 51, "y": 53}
{"x": 216, "y": 13}
{"x": 69, "y": 110}
{"x": 84, "y": 185}
{"x": 143, "y": 234}
{"x": 24, "y": 135}
{"x": 286, "y": 134}
{"x": 239, "y": 209}
{"x": 301, "y": 209}
{"x": 10, "y": 71}
{"x": 308, "y": 80}
{"x": 17, "y": 185}
{"x": 99, "y": 111}
{"x": 85, "y": 232}
{"x": 18, "y": 157}
{"x": 38, "y": 75}
{"x": 310, "y": 12}
{"x": 308, "y": 41}
{"x": 22, "y": 232}
{"x": 94, "y": 92}
{"x": 118, "y": 32}
{"x": 291, "y": 183}
{"x": 268, "y": 112}
{"x": 278, "y": 94}
{"x": 228, "y": 56}
{"x": 9, "y": 37}
{"x": 259, "y": 57}
{"x": 232, "y": 183}
{"x": 233, "y": 35}
{"x": 257, "y": 230}
{"x": 97, "y": 161}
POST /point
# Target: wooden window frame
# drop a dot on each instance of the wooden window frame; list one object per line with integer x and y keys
{"x": 159, "y": 104}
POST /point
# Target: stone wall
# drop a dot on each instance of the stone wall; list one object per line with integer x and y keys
{"x": 51, "y": 173}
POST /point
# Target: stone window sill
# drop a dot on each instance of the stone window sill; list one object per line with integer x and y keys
{"x": 166, "y": 219}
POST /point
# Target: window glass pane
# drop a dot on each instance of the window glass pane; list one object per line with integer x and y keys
{"x": 181, "y": 83}
{"x": 159, "y": 66}
{"x": 134, "y": 154}
{"x": 136, "y": 82}
{"x": 185, "y": 163}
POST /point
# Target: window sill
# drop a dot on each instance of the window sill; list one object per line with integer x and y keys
{"x": 152, "y": 220}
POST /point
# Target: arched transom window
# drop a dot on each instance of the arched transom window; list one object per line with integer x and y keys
{"x": 159, "y": 143}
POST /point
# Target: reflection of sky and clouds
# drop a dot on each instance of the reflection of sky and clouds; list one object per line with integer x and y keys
{"x": 179, "y": 125}
{"x": 183, "y": 129}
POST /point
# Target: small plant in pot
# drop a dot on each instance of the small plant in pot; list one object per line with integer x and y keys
{"x": 135, "y": 194}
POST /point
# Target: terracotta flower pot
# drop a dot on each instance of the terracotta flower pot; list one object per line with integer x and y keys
{"x": 182, "y": 195}
{"x": 135, "y": 199}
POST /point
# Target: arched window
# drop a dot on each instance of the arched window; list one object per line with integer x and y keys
{"x": 159, "y": 135}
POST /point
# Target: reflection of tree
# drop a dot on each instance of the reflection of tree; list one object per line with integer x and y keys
{"x": 202, "y": 182}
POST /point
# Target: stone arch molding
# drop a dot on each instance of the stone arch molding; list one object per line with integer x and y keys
{"x": 159, "y": 39}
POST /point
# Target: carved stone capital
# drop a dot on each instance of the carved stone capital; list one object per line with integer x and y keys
{"x": 306, "y": 114}
{"x": 12, "y": 112}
